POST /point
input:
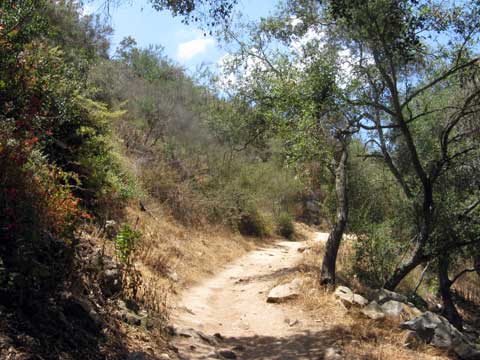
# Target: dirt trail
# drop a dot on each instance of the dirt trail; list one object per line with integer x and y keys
{"x": 233, "y": 304}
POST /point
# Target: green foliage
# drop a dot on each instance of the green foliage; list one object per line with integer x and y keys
{"x": 186, "y": 143}
{"x": 209, "y": 12}
{"x": 125, "y": 242}
{"x": 50, "y": 141}
{"x": 376, "y": 254}
{"x": 252, "y": 223}
{"x": 285, "y": 225}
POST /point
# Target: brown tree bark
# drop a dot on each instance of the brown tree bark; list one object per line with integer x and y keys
{"x": 327, "y": 275}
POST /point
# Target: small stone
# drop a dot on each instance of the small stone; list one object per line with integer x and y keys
{"x": 81, "y": 307}
{"x": 332, "y": 354}
{"x": 173, "y": 348}
{"x": 285, "y": 292}
{"x": 293, "y": 323}
{"x": 218, "y": 336}
{"x": 173, "y": 276}
{"x": 164, "y": 356}
{"x": 345, "y": 294}
{"x": 227, "y": 354}
{"x": 211, "y": 340}
{"x": 211, "y": 356}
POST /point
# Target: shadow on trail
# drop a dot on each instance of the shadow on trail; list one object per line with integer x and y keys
{"x": 275, "y": 274}
{"x": 304, "y": 345}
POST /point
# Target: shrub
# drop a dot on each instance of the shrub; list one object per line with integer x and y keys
{"x": 125, "y": 242}
{"x": 285, "y": 225}
{"x": 376, "y": 255}
{"x": 40, "y": 214}
{"x": 252, "y": 223}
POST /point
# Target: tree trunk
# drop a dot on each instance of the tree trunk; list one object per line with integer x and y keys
{"x": 449, "y": 309}
{"x": 425, "y": 218}
{"x": 404, "y": 269}
{"x": 476, "y": 263}
{"x": 327, "y": 275}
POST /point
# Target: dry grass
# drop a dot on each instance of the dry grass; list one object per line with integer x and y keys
{"x": 169, "y": 258}
{"x": 357, "y": 336}
{"x": 172, "y": 257}
{"x": 468, "y": 286}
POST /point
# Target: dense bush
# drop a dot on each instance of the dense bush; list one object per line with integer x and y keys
{"x": 252, "y": 223}
{"x": 54, "y": 151}
{"x": 376, "y": 254}
{"x": 285, "y": 225}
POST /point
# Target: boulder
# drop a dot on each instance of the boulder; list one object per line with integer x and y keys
{"x": 285, "y": 292}
{"x": 359, "y": 300}
{"x": 383, "y": 295}
{"x": 373, "y": 311}
{"x": 392, "y": 308}
{"x": 344, "y": 293}
{"x": 348, "y": 296}
{"x": 423, "y": 325}
{"x": 437, "y": 331}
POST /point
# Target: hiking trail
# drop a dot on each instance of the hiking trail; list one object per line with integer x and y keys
{"x": 227, "y": 316}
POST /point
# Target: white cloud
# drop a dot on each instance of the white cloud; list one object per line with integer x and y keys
{"x": 189, "y": 49}
{"x": 233, "y": 76}
{"x": 87, "y": 9}
{"x": 294, "y": 21}
{"x": 312, "y": 34}
{"x": 226, "y": 78}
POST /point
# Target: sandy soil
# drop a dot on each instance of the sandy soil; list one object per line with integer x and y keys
{"x": 233, "y": 306}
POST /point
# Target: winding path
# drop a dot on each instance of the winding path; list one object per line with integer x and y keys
{"x": 233, "y": 306}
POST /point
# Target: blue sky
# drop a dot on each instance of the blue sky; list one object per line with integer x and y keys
{"x": 185, "y": 44}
